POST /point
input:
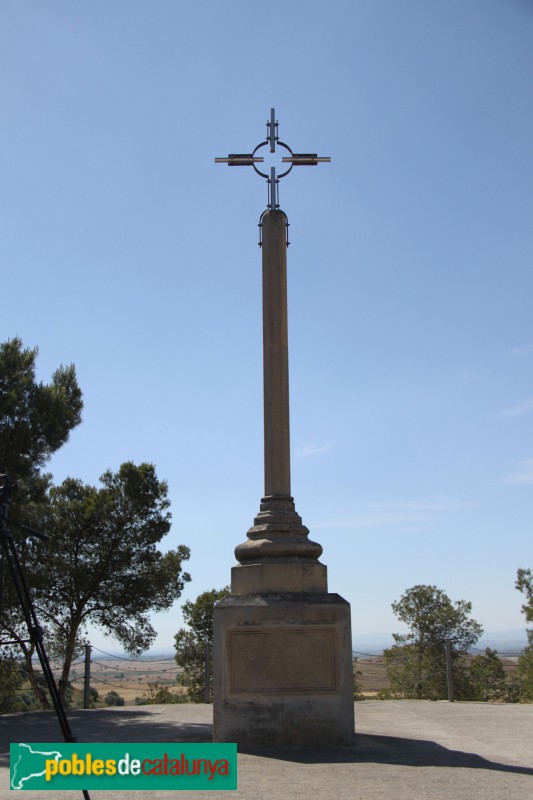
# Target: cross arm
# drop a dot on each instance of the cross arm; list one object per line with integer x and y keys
{"x": 240, "y": 160}
{"x": 305, "y": 159}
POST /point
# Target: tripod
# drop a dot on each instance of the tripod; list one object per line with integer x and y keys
{"x": 27, "y": 607}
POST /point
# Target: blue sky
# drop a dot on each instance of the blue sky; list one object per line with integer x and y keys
{"x": 128, "y": 252}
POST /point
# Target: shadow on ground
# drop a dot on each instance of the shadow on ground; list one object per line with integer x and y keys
{"x": 107, "y": 725}
{"x": 99, "y": 725}
{"x": 372, "y": 749}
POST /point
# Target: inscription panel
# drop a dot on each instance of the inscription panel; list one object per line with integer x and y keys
{"x": 302, "y": 659}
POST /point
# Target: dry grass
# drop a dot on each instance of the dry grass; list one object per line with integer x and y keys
{"x": 373, "y": 675}
{"x": 129, "y": 679}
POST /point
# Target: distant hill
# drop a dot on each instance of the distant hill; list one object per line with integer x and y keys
{"x": 371, "y": 644}
{"x": 504, "y": 641}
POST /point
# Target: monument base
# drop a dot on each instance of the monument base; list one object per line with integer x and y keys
{"x": 283, "y": 670}
{"x": 265, "y": 578}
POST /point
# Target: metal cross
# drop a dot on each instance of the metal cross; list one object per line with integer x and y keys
{"x": 272, "y": 139}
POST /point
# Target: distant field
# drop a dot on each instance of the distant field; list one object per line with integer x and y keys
{"x": 129, "y": 679}
{"x": 374, "y": 675}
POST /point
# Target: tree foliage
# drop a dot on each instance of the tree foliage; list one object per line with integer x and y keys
{"x": 11, "y": 679}
{"x": 357, "y": 674}
{"x": 102, "y": 564}
{"x": 416, "y": 664}
{"x": 487, "y": 679}
{"x": 525, "y": 672}
{"x": 35, "y": 418}
{"x": 433, "y": 619}
{"x": 524, "y": 583}
{"x": 190, "y": 644}
{"x": 198, "y": 615}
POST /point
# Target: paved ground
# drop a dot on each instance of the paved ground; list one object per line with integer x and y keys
{"x": 405, "y": 750}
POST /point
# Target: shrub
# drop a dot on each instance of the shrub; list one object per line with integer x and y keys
{"x": 114, "y": 699}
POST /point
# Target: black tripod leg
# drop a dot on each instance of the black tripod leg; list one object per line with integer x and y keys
{"x": 35, "y": 632}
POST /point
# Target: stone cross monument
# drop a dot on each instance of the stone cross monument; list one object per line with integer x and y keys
{"x": 282, "y": 643}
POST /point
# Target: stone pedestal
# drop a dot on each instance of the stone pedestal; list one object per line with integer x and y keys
{"x": 283, "y": 670}
{"x": 282, "y": 645}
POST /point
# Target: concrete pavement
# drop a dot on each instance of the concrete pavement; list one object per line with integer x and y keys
{"x": 404, "y": 750}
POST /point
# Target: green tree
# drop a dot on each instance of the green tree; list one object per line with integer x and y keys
{"x": 11, "y": 679}
{"x": 524, "y": 584}
{"x": 525, "y": 672}
{"x": 190, "y": 644}
{"x": 357, "y": 675}
{"x": 36, "y": 419}
{"x": 102, "y": 564}
{"x": 416, "y": 664}
{"x": 487, "y": 677}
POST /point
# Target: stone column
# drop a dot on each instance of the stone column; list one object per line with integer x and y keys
{"x": 276, "y": 356}
{"x": 278, "y": 555}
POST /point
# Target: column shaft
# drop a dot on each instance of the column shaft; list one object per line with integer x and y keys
{"x": 275, "y": 356}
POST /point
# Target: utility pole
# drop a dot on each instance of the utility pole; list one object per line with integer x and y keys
{"x": 449, "y": 670}
{"x": 207, "y": 673}
{"x": 87, "y": 680}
